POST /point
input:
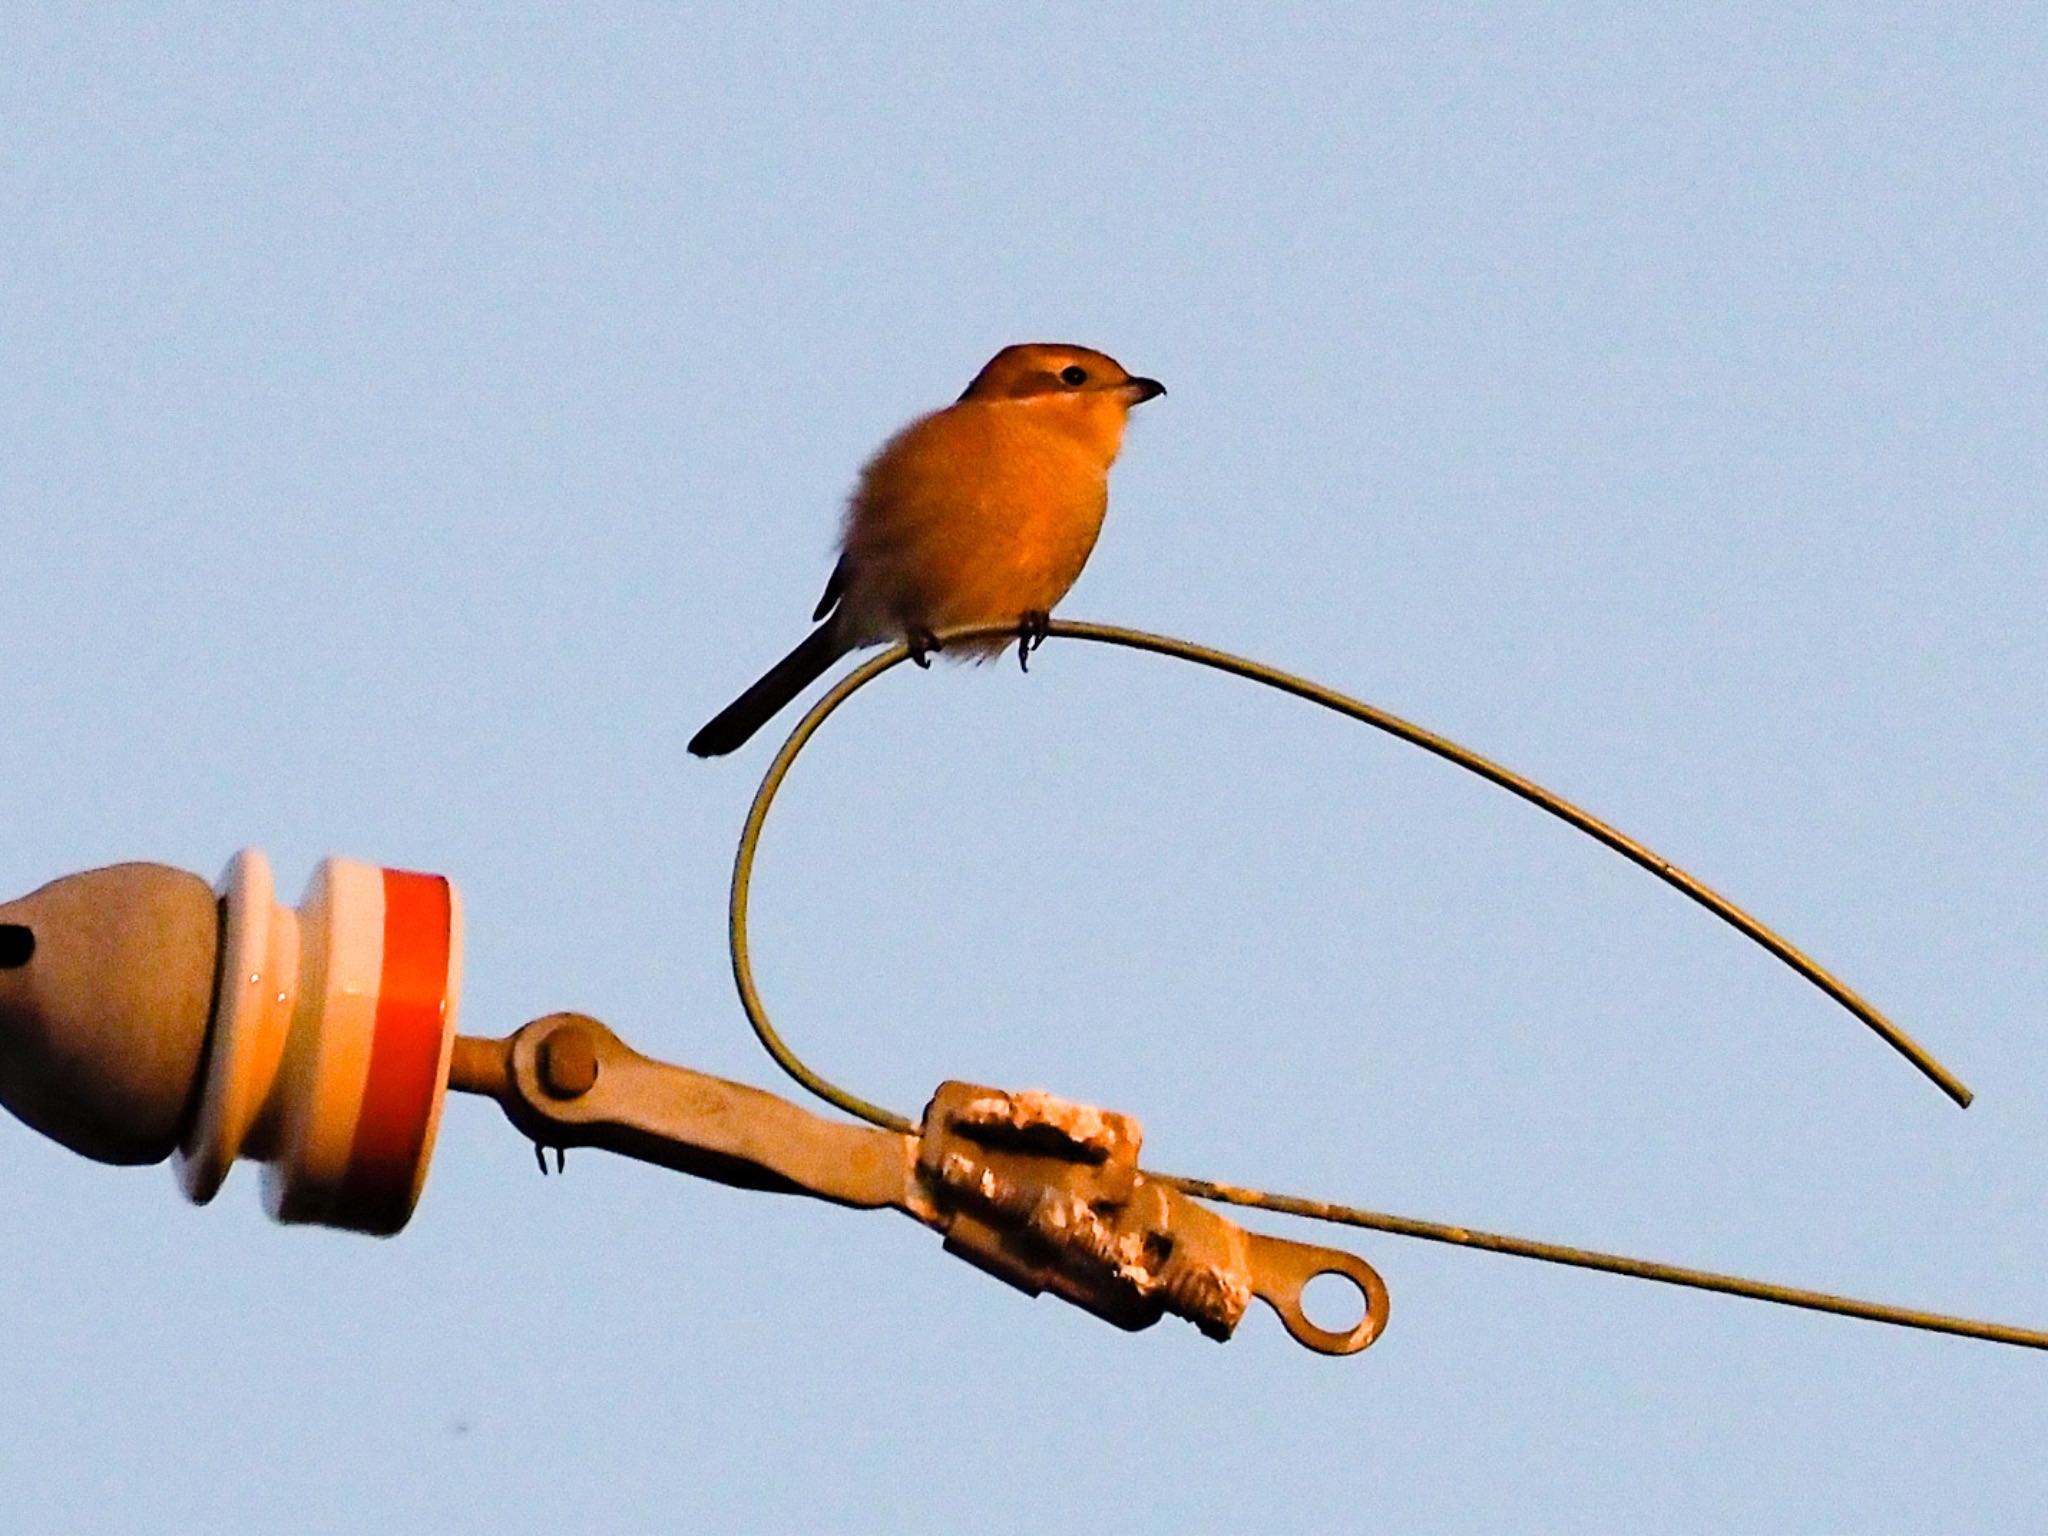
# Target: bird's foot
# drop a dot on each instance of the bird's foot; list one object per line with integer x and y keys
{"x": 1032, "y": 628}
{"x": 922, "y": 643}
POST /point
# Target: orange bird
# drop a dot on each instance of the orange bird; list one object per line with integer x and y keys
{"x": 982, "y": 513}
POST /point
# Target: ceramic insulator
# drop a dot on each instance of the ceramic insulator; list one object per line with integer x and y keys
{"x": 328, "y": 1057}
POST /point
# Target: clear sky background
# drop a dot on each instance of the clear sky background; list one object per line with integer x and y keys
{"x": 413, "y": 425}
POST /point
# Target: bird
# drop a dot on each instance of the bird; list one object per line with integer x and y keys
{"x": 980, "y": 513}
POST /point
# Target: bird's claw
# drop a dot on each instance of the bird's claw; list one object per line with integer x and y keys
{"x": 1032, "y": 628}
{"x": 922, "y": 643}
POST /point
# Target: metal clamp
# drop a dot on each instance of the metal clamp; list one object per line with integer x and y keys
{"x": 1043, "y": 1193}
{"x": 1047, "y": 1195}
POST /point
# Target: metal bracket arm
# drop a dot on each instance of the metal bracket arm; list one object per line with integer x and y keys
{"x": 568, "y": 1081}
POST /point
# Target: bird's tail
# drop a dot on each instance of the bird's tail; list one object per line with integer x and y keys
{"x": 731, "y": 727}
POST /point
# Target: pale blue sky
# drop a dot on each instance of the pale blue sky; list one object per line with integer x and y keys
{"x": 414, "y": 424}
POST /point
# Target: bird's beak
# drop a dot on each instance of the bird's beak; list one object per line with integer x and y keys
{"x": 1141, "y": 390}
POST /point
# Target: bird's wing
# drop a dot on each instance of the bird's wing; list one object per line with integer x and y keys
{"x": 835, "y": 588}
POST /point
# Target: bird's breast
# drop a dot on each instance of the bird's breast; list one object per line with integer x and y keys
{"x": 974, "y": 515}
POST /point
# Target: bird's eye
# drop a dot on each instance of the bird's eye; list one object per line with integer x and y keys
{"x": 1074, "y": 375}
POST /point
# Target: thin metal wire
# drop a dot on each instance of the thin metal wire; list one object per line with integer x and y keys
{"x": 1342, "y": 704}
{"x": 1403, "y": 1226}
{"x": 1612, "y": 1263}
{"x": 743, "y": 879}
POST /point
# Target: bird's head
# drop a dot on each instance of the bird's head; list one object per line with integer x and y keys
{"x": 1035, "y": 368}
{"x": 1082, "y": 390}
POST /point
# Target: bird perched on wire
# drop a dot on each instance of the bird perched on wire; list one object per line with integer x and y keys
{"x": 981, "y": 513}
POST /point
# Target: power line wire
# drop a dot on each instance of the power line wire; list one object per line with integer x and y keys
{"x": 1556, "y": 805}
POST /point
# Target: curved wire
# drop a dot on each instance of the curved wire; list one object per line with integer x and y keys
{"x": 1401, "y": 1226}
{"x": 1315, "y": 693}
{"x": 743, "y": 879}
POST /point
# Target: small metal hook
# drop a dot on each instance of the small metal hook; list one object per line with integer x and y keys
{"x": 1281, "y": 1271}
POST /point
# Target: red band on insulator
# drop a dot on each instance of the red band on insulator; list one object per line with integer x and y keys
{"x": 405, "y": 1057}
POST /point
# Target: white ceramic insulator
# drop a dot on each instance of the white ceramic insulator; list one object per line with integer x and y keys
{"x": 328, "y": 1057}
